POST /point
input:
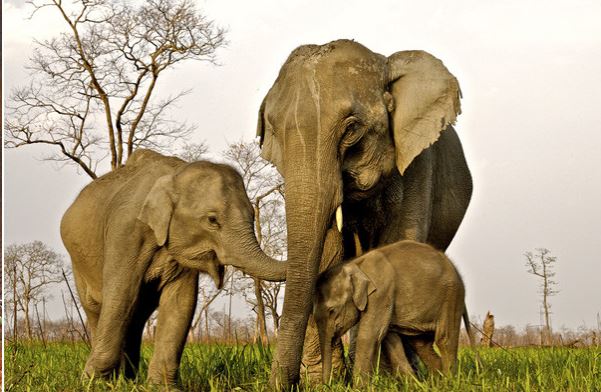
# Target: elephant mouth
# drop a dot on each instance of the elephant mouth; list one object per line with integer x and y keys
{"x": 198, "y": 260}
{"x": 356, "y": 188}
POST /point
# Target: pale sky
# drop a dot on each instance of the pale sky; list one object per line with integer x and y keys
{"x": 530, "y": 73}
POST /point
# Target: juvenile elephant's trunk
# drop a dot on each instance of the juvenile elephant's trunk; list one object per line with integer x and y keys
{"x": 251, "y": 259}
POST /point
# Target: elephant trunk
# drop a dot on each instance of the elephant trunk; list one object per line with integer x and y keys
{"x": 250, "y": 259}
{"x": 325, "y": 342}
{"x": 310, "y": 208}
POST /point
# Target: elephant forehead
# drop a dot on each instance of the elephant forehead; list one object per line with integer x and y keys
{"x": 335, "y": 52}
{"x": 334, "y": 67}
{"x": 320, "y": 98}
{"x": 335, "y": 289}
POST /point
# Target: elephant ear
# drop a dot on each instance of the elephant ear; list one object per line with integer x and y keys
{"x": 261, "y": 123}
{"x": 426, "y": 101}
{"x": 158, "y": 208}
{"x": 270, "y": 149}
{"x": 362, "y": 286}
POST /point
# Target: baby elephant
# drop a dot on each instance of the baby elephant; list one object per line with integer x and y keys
{"x": 405, "y": 289}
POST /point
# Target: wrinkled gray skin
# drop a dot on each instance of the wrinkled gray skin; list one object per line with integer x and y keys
{"x": 404, "y": 290}
{"x": 350, "y": 128}
{"x": 139, "y": 236}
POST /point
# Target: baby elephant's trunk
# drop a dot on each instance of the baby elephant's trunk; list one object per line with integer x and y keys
{"x": 325, "y": 341}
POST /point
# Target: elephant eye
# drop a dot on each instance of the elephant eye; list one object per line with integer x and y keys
{"x": 352, "y": 132}
{"x": 213, "y": 221}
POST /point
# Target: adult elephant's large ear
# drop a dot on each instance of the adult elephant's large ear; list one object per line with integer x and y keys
{"x": 270, "y": 149}
{"x": 261, "y": 123}
{"x": 158, "y": 208}
{"x": 426, "y": 101}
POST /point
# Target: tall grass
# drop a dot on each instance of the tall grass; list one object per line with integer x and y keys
{"x": 58, "y": 367}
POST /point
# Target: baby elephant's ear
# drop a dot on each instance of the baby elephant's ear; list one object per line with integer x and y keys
{"x": 158, "y": 208}
{"x": 362, "y": 286}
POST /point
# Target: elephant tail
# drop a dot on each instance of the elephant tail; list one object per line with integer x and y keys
{"x": 470, "y": 335}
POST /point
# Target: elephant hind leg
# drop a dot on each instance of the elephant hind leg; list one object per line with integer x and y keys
{"x": 92, "y": 322}
{"x": 393, "y": 356}
{"x": 447, "y": 341}
{"x": 130, "y": 360}
{"x": 424, "y": 348}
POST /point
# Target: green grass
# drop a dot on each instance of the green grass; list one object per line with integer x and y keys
{"x": 58, "y": 367}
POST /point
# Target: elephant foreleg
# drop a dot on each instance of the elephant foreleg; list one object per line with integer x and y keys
{"x": 176, "y": 309}
{"x": 371, "y": 331}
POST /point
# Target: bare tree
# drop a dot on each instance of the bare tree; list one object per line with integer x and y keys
{"x": 30, "y": 269}
{"x": 265, "y": 189}
{"x": 541, "y": 265}
{"x": 193, "y": 152}
{"x": 91, "y": 89}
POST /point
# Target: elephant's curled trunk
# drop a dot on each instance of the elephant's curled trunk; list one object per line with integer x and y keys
{"x": 253, "y": 261}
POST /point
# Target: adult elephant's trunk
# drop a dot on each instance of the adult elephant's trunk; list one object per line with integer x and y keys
{"x": 310, "y": 206}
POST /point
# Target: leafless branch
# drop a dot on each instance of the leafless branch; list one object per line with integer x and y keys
{"x": 92, "y": 89}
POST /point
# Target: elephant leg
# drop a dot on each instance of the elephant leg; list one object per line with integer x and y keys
{"x": 92, "y": 321}
{"x": 90, "y": 307}
{"x": 120, "y": 293}
{"x": 393, "y": 355}
{"x": 176, "y": 308}
{"x": 447, "y": 341}
{"x": 423, "y": 346}
{"x": 371, "y": 332}
{"x": 133, "y": 339}
{"x": 352, "y": 349}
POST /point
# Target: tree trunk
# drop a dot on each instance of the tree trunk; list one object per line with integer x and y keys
{"x": 546, "y": 304}
{"x": 276, "y": 323}
{"x": 261, "y": 312}
{"x": 15, "y": 319}
{"x": 27, "y": 320}
{"x": 207, "y": 333}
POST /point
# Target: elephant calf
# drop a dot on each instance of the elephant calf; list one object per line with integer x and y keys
{"x": 139, "y": 236}
{"x": 406, "y": 289}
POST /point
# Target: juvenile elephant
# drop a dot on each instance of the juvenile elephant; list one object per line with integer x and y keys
{"x": 367, "y": 149}
{"x": 139, "y": 236}
{"x": 406, "y": 289}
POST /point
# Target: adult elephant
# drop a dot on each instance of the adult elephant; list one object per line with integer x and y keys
{"x": 368, "y": 138}
{"x": 138, "y": 238}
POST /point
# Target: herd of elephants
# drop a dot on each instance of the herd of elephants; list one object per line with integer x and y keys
{"x": 376, "y": 188}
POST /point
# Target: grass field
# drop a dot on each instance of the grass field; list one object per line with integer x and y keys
{"x": 57, "y": 367}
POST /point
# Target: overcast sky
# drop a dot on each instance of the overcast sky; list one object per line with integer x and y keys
{"x": 530, "y": 73}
